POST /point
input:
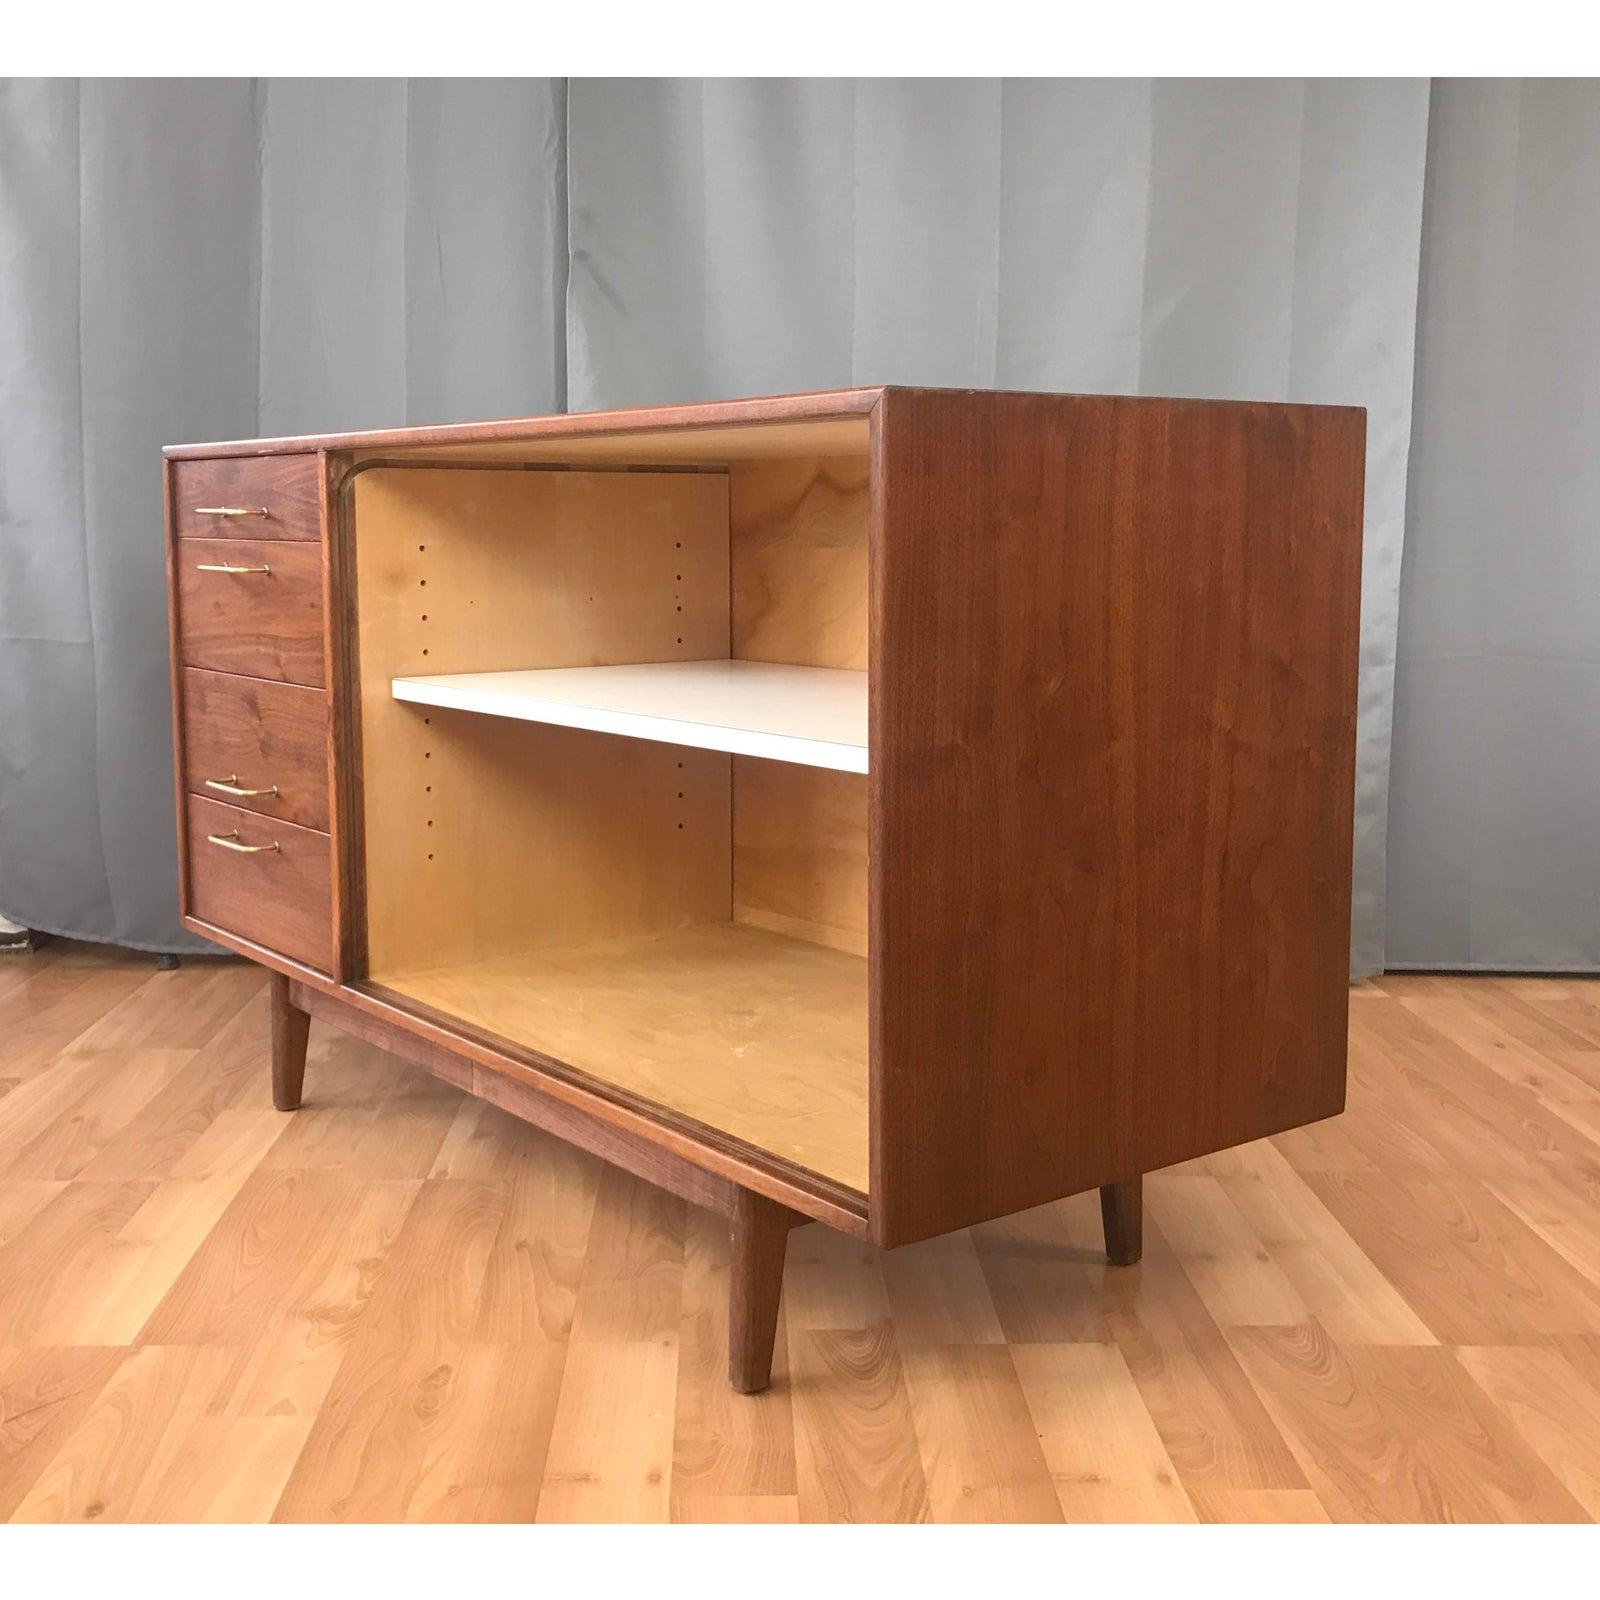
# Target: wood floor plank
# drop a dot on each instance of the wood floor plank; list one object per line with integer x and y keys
{"x": 219, "y": 1469}
{"x": 536, "y": 1265}
{"x": 1232, "y": 1271}
{"x": 1437, "y": 1091}
{"x": 832, "y": 1280}
{"x": 778, "y": 1508}
{"x": 122, "y": 1451}
{"x": 44, "y": 1395}
{"x": 1105, "y": 1457}
{"x": 1563, "y": 1210}
{"x": 1538, "y": 1020}
{"x": 55, "y": 1269}
{"x": 21, "y": 1202}
{"x": 402, "y": 1304}
{"x": 1397, "y": 1434}
{"x": 40, "y": 1018}
{"x": 224, "y": 1074}
{"x": 1333, "y": 1276}
{"x": 856, "y": 1456}
{"x": 938, "y": 1294}
{"x": 980, "y": 1453}
{"x": 289, "y": 1239}
{"x": 1554, "y": 1409}
{"x": 1044, "y": 1283}
{"x": 365, "y": 1114}
{"x": 610, "y": 1458}
{"x": 152, "y": 1250}
{"x": 1215, "y": 1504}
{"x": 1465, "y": 1263}
{"x": 386, "y": 1441}
{"x": 1211, "y": 1420}
{"x": 632, "y": 1287}
{"x": 58, "y": 1122}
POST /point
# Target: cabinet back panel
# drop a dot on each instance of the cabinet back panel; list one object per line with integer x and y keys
{"x": 484, "y": 836}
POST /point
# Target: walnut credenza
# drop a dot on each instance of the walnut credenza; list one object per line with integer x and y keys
{"x": 894, "y": 807}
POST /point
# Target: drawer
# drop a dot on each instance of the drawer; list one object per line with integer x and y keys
{"x": 249, "y": 734}
{"x": 246, "y": 497}
{"x": 262, "y": 618}
{"x": 267, "y": 880}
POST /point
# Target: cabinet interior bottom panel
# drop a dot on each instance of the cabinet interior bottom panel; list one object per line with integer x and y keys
{"x": 758, "y": 1035}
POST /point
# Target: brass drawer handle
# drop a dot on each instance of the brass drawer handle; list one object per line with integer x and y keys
{"x": 215, "y": 566}
{"x": 230, "y": 841}
{"x": 230, "y": 511}
{"x": 230, "y": 785}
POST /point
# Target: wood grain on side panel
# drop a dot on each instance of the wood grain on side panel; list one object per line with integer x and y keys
{"x": 1113, "y": 714}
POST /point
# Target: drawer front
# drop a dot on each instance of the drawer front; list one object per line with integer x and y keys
{"x": 281, "y": 898}
{"x": 264, "y": 624}
{"x": 249, "y": 734}
{"x": 246, "y": 497}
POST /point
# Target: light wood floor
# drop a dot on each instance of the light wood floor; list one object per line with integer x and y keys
{"x": 399, "y": 1303}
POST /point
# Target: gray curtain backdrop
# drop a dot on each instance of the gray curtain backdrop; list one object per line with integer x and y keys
{"x": 1495, "y": 841}
{"x": 203, "y": 260}
{"x": 207, "y": 259}
{"x": 1253, "y": 240}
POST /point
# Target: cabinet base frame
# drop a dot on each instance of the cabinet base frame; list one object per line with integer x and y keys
{"x": 758, "y": 1226}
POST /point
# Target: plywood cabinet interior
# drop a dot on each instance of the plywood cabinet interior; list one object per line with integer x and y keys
{"x": 1073, "y": 906}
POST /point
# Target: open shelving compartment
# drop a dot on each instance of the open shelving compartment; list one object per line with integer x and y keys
{"x": 612, "y": 699}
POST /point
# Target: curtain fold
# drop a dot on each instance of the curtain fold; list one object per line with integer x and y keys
{"x": 202, "y": 260}
{"x": 1254, "y": 240}
{"x": 1495, "y": 818}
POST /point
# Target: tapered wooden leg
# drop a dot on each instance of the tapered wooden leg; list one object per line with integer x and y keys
{"x": 1122, "y": 1212}
{"x": 758, "y": 1234}
{"x": 290, "y": 1026}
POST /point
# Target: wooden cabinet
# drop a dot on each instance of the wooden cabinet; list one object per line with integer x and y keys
{"x": 892, "y": 807}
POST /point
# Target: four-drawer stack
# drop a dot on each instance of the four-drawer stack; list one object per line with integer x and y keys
{"x": 253, "y": 718}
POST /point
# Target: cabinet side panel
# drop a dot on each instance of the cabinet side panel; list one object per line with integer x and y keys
{"x": 175, "y": 669}
{"x": 1113, "y": 730}
{"x": 798, "y": 575}
{"x": 798, "y": 561}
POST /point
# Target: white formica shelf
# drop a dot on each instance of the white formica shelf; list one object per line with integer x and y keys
{"x": 813, "y": 716}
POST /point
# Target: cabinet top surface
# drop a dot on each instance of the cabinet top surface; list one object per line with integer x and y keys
{"x": 821, "y": 407}
{"x": 826, "y": 420}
